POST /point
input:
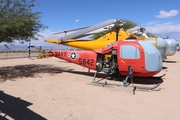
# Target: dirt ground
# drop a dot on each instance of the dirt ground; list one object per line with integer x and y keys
{"x": 57, "y": 90}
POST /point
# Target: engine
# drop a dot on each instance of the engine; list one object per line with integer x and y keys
{"x": 108, "y": 63}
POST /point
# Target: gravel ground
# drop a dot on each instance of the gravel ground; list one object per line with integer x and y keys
{"x": 57, "y": 90}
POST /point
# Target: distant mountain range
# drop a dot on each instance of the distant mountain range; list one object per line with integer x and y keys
{"x": 25, "y": 47}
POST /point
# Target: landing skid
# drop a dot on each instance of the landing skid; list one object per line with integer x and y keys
{"x": 139, "y": 87}
{"x": 125, "y": 84}
{"x": 130, "y": 84}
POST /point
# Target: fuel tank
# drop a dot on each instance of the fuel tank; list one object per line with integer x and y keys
{"x": 171, "y": 47}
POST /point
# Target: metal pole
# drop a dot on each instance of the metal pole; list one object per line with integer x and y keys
{"x": 29, "y": 48}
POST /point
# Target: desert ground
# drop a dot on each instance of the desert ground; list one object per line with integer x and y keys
{"x": 54, "y": 89}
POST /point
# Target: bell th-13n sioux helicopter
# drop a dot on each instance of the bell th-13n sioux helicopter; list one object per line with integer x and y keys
{"x": 126, "y": 57}
{"x": 129, "y": 57}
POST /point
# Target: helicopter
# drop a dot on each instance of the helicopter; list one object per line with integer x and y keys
{"x": 118, "y": 57}
{"x": 165, "y": 46}
{"x": 128, "y": 58}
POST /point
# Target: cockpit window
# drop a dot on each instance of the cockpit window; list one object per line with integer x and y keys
{"x": 129, "y": 52}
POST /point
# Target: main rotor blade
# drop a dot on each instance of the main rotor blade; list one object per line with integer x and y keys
{"x": 70, "y": 30}
{"x": 87, "y": 30}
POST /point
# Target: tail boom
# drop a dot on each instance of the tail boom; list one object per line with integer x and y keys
{"x": 82, "y": 58}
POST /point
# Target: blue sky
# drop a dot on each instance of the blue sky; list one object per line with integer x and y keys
{"x": 157, "y": 16}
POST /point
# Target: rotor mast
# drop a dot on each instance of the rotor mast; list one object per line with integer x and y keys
{"x": 117, "y": 25}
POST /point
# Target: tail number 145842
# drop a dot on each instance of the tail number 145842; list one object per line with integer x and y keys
{"x": 86, "y": 61}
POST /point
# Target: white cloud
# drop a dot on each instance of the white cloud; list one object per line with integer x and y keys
{"x": 151, "y": 23}
{"x": 46, "y": 34}
{"x": 171, "y": 29}
{"x": 164, "y": 14}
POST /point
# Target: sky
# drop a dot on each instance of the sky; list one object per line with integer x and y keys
{"x": 157, "y": 16}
